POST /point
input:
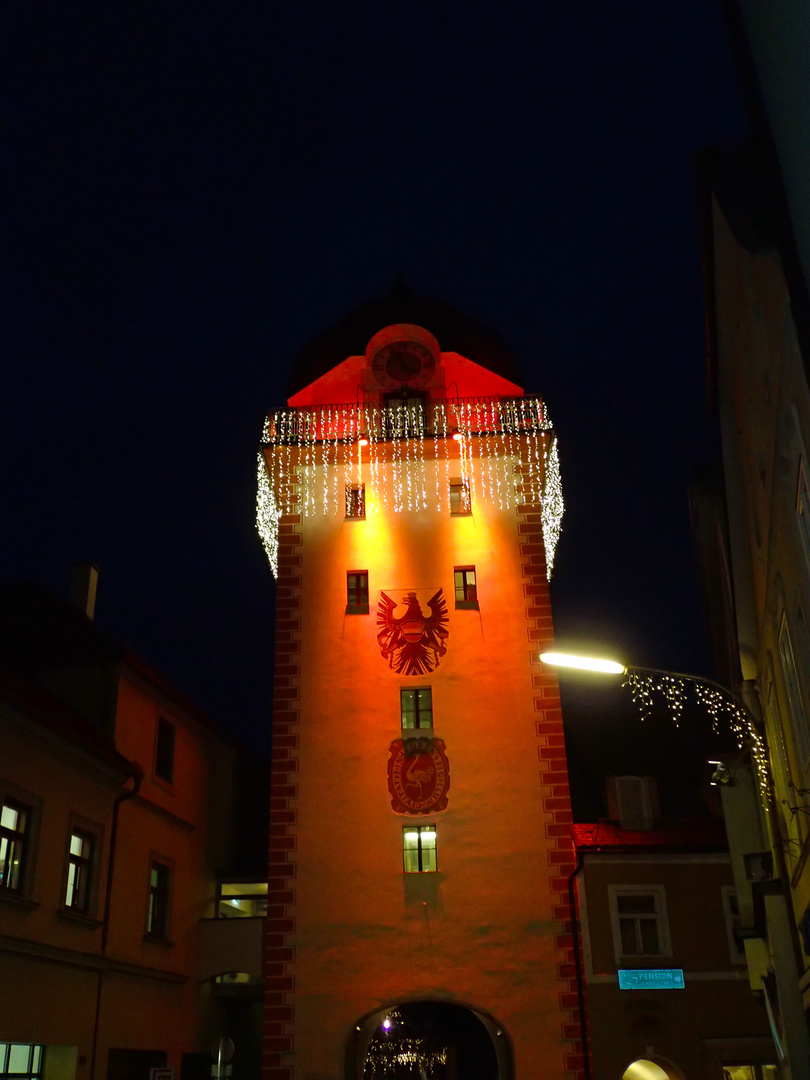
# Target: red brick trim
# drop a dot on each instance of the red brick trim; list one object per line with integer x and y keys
{"x": 553, "y": 773}
{"x": 278, "y": 1042}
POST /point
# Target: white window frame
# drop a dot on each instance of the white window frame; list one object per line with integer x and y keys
{"x": 661, "y": 917}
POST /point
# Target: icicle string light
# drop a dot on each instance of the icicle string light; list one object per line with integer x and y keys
{"x": 719, "y": 704}
{"x": 507, "y": 455}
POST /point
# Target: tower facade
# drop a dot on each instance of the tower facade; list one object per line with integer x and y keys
{"x": 409, "y": 503}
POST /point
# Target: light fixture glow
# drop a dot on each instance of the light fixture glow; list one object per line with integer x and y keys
{"x": 583, "y": 663}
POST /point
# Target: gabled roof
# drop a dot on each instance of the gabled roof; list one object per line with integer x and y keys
{"x": 455, "y": 331}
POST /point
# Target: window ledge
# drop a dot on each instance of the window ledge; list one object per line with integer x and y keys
{"x": 355, "y": 517}
{"x": 461, "y": 513}
{"x": 14, "y": 898}
{"x": 360, "y": 609}
{"x": 80, "y": 918}
{"x": 154, "y": 939}
{"x": 467, "y": 605}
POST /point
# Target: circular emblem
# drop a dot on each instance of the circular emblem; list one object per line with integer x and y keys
{"x": 418, "y": 776}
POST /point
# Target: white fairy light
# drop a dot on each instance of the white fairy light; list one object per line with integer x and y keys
{"x": 267, "y": 515}
{"x": 552, "y": 505}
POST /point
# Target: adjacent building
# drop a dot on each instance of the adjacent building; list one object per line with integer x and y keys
{"x": 123, "y": 834}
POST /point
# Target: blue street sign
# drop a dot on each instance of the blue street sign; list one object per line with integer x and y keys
{"x": 651, "y": 979}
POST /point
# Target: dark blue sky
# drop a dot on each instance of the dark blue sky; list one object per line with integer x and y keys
{"x": 191, "y": 191}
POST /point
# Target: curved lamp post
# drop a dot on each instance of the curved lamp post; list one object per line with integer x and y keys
{"x": 645, "y": 683}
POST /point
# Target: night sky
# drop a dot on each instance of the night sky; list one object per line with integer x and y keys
{"x": 192, "y": 191}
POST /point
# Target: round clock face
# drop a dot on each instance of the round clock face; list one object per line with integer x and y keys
{"x": 403, "y": 362}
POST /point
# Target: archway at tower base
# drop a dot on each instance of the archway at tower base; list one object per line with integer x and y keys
{"x": 647, "y": 1069}
{"x": 429, "y": 1040}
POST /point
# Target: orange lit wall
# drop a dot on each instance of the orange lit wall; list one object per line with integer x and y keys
{"x": 348, "y": 932}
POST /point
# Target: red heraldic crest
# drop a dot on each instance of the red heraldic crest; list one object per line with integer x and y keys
{"x": 412, "y": 645}
{"x": 418, "y": 776}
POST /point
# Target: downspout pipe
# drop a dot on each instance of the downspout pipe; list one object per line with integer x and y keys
{"x": 136, "y": 775}
{"x": 583, "y": 1023}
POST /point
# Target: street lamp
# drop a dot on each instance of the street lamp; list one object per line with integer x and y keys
{"x": 645, "y": 683}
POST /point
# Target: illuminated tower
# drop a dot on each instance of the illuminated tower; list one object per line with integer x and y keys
{"x": 409, "y": 503}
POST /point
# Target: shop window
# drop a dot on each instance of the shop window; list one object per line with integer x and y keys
{"x": 164, "y": 750}
{"x": 419, "y": 849}
{"x": 416, "y": 708}
{"x": 750, "y": 1072}
{"x": 21, "y": 1061}
{"x": 466, "y": 590}
{"x": 357, "y": 592}
{"x": 157, "y": 920}
{"x": 14, "y": 839}
{"x": 355, "y": 500}
{"x": 460, "y": 501}
{"x": 80, "y": 868}
{"x": 242, "y": 900}
{"x": 638, "y": 916}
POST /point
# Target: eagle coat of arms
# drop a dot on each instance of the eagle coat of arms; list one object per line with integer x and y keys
{"x": 414, "y": 643}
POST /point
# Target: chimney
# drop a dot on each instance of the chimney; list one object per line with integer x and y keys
{"x": 83, "y": 585}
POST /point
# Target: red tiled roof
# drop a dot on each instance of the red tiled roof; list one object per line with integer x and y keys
{"x": 697, "y": 834}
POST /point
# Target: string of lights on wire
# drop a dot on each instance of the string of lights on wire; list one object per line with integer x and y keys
{"x": 406, "y": 455}
{"x": 646, "y": 685}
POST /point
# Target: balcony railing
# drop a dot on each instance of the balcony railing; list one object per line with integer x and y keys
{"x": 407, "y": 419}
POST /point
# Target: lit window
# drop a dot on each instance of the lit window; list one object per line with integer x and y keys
{"x": 466, "y": 592}
{"x": 417, "y": 708}
{"x": 357, "y": 592}
{"x": 355, "y": 500}
{"x": 460, "y": 502}
{"x": 80, "y": 861}
{"x": 22, "y": 1061}
{"x": 13, "y": 839}
{"x": 242, "y": 899}
{"x": 750, "y": 1072}
{"x": 639, "y": 921}
{"x": 157, "y": 920}
{"x": 801, "y": 737}
{"x": 419, "y": 849}
{"x": 164, "y": 750}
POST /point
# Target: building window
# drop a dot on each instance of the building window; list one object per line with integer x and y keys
{"x": 632, "y": 801}
{"x": 798, "y": 724}
{"x": 731, "y": 911}
{"x": 22, "y": 1061}
{"x": 419, "y": 849}
{"x": 14, "y": 823}
{"x": 466, "y": 592}
{"x": 242, "y": 900}
{"x": 357, "y": 592}
{"x": 80, "y": 865}
{"x": 803, "y": 511}
{"x": 417, "y": 708}
{"x": 638, "y": 915}
{"x": 750, "y": 1072}
{"x": 157, "y": 920}
{"x": 355, "y": 500}
{"x": 164, "y": 750}
{"x": 460, "y": 502}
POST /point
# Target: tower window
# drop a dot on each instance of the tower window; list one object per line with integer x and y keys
{"x": 460, "y": 502}
{"x": 13, "y": 839}
{"x": 355, "y": 500}
{"x": 80, "y": 865}
{"x": 466, "y": 592}
{"x": 357, "y": 592}
{"x": 417, "y": 708}
{"x": 164, "y": 750}
{"x": 419, "y": 849}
